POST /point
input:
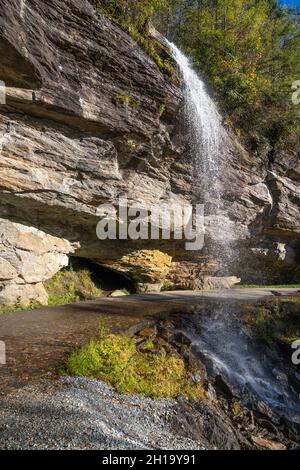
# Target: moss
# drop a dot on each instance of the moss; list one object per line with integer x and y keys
{"x": 125, "y": 97}
{"x": 116, "y": 360}
{"x": 278, "y": 321}
{"x": 161, "y": 110}
{"x": 69, "y": 286}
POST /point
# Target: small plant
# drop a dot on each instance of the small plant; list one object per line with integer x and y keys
{"x": 161, "y": 110}
{"x": 261, "y": 286}
{"x": 126, "y": 98}
{"x": 117, "y": 360}
{"x": 19, "y": 308}
{"x": 278, "y": 321}
{"x": 69, "y": 286}
{"x": 168, "y": 285}
{"x": 132, "y": 144}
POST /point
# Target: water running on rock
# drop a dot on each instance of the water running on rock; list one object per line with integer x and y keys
{"x": 204, "y": 126}
{"x": 219, "y": 337}
{"x": 207, "y": 143}
{"x": 255, "y": 370}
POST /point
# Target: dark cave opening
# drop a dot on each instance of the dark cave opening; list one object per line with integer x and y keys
{"x": 103, "y": 277}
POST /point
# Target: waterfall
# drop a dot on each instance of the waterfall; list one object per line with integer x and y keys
{"x": 204, "y": 126}
{"x": 207, "y": 140}
{"x": 219, "y": 336}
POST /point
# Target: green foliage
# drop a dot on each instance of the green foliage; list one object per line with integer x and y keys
{"x": 116, "y": 360}
{"x": 161, "y": 110}
{"x": 277, "y": 286}
{"x": 69, "y": 286}
{"x": 19, "y": 308}
{"x": 125, "y": 97}
{"x": 168, "y": 285}
{"x": 135, "y": 17}
{"x": 279, "y": 322}
{"x": 249, "y": 51}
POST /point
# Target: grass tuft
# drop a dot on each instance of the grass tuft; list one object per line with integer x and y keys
{"x": 69, "y": 286}
{"x": 5, "y": 309}
{"x": 116, "y": 360}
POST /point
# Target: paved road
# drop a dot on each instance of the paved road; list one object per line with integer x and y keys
{"x": 37, "y": 341}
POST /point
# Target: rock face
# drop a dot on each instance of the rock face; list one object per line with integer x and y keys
{"x": 82, "y": 126}
{"x": 27, "y": 257}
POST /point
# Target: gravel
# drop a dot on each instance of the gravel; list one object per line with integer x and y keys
{"x": 80, "y": 413}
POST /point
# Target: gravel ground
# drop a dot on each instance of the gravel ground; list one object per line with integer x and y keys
{"x": 80, "y": 413}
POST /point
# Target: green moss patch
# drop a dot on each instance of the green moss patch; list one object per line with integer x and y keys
{"x": 69, "y": 286}
{"x": 278, "y": 321}
{"x": 131, "y": 368}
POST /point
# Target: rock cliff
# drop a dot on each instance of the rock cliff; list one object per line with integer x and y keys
{"x": 89, "y": 117}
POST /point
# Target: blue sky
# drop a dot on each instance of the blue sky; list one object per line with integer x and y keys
{"x": 291, "y": 3}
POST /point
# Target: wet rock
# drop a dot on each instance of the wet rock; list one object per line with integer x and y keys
{"x": 201, "y": 421}
{"x": 210, "y": 392}
{"x": 224, "y": 387}
{"x": 266, "y": 444}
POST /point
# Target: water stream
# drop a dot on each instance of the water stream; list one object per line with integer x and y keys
{"x": 220, "y": 336}
{"x": 204, "y": 126}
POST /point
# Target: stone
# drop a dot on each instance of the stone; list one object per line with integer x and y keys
{"x": 266, "y": 444}
{"x": 147, "y": 332}
{"x": 7, "y": 271}
{"x": 210, "y": 283}
{"x": 14, "y": 294}
{"x": 119, "y": 293}
{"x": 27, "y": 258}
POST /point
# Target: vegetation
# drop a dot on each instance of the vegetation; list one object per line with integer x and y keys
{"x": 277, "y": 322}
{"x": 131, "y": 367}
{"x": 167, "y": 286}
{"x": 248, "y": 50}
{"x": 161, "y": 110}
{"x": 69, "y": 286}
{"x": 135, "y": 17}
{"x": 4, "y": 309}
{"x": 66, "y": 287}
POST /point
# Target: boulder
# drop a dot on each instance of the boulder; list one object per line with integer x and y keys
{"x": 211, "y": 283}
{"x": 27, "y": 258}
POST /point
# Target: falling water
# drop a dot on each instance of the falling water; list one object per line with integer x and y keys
{"x": 208, "y": 144}
{"x": 204, "y": 126}
{"x": 219, "y": 337}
